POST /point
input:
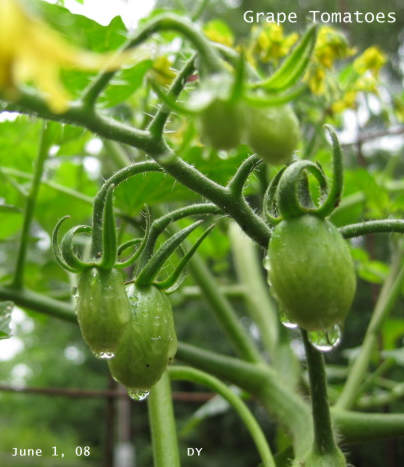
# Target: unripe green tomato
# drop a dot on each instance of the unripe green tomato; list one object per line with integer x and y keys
{"x": 311, "y": 272}
{"x": 273, "y": 133}
{"x": 148, "y": 343}
{"x": 103, "y": 309}
{"x": 222, "y": 124}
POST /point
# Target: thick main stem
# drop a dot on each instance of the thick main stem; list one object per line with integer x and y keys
{"x": 162, "y": 424}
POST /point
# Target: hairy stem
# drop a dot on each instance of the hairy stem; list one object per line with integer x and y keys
{"x": 324, "y": 441}
{"x": 164, "y": 22}
{"x": 363, "y": 228}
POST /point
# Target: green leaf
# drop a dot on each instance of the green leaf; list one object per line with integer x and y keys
{"x": 392, "y": 331}
{"x": 294, "y": 65}
{"x": 6, "y": 309}
{"x": 125, "y": 83}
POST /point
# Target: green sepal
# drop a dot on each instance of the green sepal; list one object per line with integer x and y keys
{"x": 170, "y": 282}
{"x": 153, "y": 266}
{"x": 294, "y": 65}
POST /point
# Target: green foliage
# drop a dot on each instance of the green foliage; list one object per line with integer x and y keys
{"x": 199, "y": 165}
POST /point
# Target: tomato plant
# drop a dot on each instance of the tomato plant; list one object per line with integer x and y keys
{"x": 122, "y": 154}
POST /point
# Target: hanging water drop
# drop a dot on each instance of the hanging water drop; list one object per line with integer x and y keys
{"x": 267, "y": 263}
{"x": 105, "y": 355}
{"x": 138, "y": 394}
{"x": 325, "y": 341}
{"x": 286, "y": 321}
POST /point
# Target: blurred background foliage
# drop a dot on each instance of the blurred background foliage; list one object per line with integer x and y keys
{"x": 48, "y": 353}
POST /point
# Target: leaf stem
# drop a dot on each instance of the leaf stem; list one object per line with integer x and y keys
{"x": 44, "y": 145}
{"x": 379, "y": 226}
{"x": 200, "y": 377}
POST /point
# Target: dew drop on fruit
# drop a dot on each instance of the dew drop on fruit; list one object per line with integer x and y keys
{"x": 286, "y": 321}
{"x": 104, "y": 355}
{"x": 138, "y": 394}
{"x": 325, "y": 341}
{"x": 267, "y": 263}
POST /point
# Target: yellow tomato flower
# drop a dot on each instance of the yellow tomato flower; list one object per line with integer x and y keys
{"x": 347, "y": 102}
{"x": 331, "y": 45}
{"x": 271, "y": 44}
{"x": 31, "y": 51}
{"x": 372, "y": 60}
{"x": 315, "y": 77}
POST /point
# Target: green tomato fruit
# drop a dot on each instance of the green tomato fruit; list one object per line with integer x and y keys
{"x": 273, "y": 133}
{"x": 222, "y": 124}
{"x": 103, "y": 309}
{"x": 311, "y": 272}
{"x": 149, "y": 342}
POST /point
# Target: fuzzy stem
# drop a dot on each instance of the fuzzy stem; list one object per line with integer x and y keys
{"x": 324, "y": 441}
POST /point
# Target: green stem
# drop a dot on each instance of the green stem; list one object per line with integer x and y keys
{"x": 257, "y": 379}
{"x": 200, "y": 377}
{"x": 158, "y": 122}
{"x": 44, "y": 145}
{"x": 99, "y": 200}
{"x": 163, "y": 221}
{"x": 363, "y": 228}
{"x": 390, "y": 292}
{"x": 361, "y": 427}
{"x": 324, "y": 441}
{"x": 164, "y": 22}
{"x": 383, "y": 398}
{"x": 263, "y": 382}
{"x": 162, "y": 424}
{"x": 40, "y": 303}
{"x": 259, "y": 304}
{"x": 236, "y": 184}
{"x": 185, "y": 173}
{"x": 223, "y": 310}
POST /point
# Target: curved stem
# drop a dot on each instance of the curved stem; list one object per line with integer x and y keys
{"x": 185, "y": 173}
{"x": 263, "y": 382}
{"x": 44, "y": 145}
{"x": 200, "y": 377}
{"x": 162, "y": 222}
{"x": 324, "y": 441}
{"x": 222, "y": 308}
{"x": 99, "y": 200}
{"x": 164, "y": 22}
{"x": 239, "y": 179}
{"x": 156, "y": 125}
{"x": 334, "y": 196}
{"x": 363, "y": 228}
{"x": 162, "y": 424}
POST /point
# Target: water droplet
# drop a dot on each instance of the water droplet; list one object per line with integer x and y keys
{"x": 286, "y": 321}
{"x": 267, "y": 263}
{"x": 104, "y": 355}
{"x": 138, "y": 394}
{"x": 324, "y": 341}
